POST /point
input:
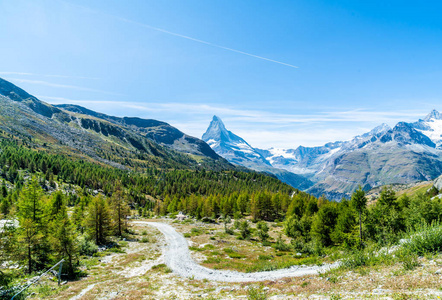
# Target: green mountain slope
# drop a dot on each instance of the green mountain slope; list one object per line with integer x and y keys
{"x": 120, "y": 142}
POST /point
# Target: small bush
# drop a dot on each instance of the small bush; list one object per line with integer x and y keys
{"x": 367, "y": 257}
{"x": 280, "y": 245}
{"x": 195, "y": 231}
{"x": 425, "y": 239}
{"x": 87, "y": 247}
{"x": 264, "y": 257}
{"x": 256, "y": 294}
{"x": 245, "y": 230}
{"x": 163, "y": 267}
{"x": 236, "y": 224}
{"x": 144, "y": 240}
{"x": 409, "y": 259}
{"x": 209, "y": 247}
{"x": 233, "y": 254}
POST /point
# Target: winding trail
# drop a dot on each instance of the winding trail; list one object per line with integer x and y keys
{"x": 177, "y": 257}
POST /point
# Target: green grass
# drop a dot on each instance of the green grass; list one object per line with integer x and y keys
{"x": 367, "y": 257}
{"x": 233, "y": 254}
{"x": 286, "y": 262}
{"x": 162, "y": 267}
{"x": 425, "y": 239}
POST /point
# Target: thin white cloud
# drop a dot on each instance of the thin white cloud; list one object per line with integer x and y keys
{"x": 64, "y": 86}
{"x": 256, "y": 116}
{"x": 260, "y": 128}
{"x": 48, "y": 75}
{"x": 182, "y": 35}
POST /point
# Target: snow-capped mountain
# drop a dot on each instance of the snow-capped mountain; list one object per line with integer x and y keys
{"x": 237, "y": 151}
{"x": 406, "y": 153}
{"x": 309, "y": 161}
{"x": 431, "y": 126}
{"x": 230, "y": 146}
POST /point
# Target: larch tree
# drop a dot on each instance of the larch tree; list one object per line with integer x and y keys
{"x": 98, "y": 220}
{"x": 359, "y": 202}
{"x": 32, "y": 223}
{"x": 120, "y": 210}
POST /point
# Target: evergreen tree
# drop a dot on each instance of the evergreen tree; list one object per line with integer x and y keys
{"x": 263, "y": 231}
{"x": 64, "y": 240}
{"x": 244, "y": 229}
{"x": 359, "y": 203}
{"x": 120, "y": 211}
{"x": 98, "y": 220}
{"x": 57, "y": 203}
{"x": 32, "y": 226}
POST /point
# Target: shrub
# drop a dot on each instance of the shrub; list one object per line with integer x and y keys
{"x": 367, "y": 257}
{"x": 256, "y": 294}
{"x": 233, "y": 254}
{"x": 86, "y": 247}
{"x": 264, "y": 257}
{"x": 280, "y": 245}
{"x": 245, "y": 230}
{"x": 263, "y": 231}
{"x": 425, "y": 239}
{"x": 237, "y": 224}
{"x": 195, "y": 231}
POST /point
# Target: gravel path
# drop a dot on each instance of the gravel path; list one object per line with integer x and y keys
{"x": 177, "y": 257}
{"x": 83, "y": 292}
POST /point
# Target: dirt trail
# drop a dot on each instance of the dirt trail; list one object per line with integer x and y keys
{"x": 177, "y": 257}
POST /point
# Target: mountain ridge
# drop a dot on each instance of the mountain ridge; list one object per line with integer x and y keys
{"x": 112, "y": 140}
{"x": 237, "y": 151}
{"x": 406, "y": 153}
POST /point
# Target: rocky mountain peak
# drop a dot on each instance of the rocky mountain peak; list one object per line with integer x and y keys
{"x": 433, "y": 115}
{"x": 405, "y": 133}
{"x": 216, "y": 130}
{"x": 381, "y": 128}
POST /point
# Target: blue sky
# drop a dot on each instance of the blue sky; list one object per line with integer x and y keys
{"x": 279, "y": 73}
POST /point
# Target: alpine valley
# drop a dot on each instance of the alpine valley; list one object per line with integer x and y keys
{"x": 407, "y": 153}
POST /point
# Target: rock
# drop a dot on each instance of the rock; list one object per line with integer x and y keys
{"x": 438, "y": 272}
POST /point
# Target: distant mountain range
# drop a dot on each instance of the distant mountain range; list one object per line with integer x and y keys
{"x": 239, "y": 152}
{"x": 407, "y": 153}
{"x": 120, "y": 142}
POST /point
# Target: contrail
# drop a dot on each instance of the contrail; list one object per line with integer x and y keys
{"x": 180, "y": 35}
{"x": 201, "y": 41}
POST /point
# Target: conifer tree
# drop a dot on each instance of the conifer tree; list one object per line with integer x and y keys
{"x": 64, "y": 239}
{"x": 120, "y": 210}
{"x": 98, "y": 220}
{"x": 359, "y": 202}
{"x": 32, "y": 225}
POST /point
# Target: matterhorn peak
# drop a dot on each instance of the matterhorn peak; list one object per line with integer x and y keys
{"x": 216, "y": 130}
